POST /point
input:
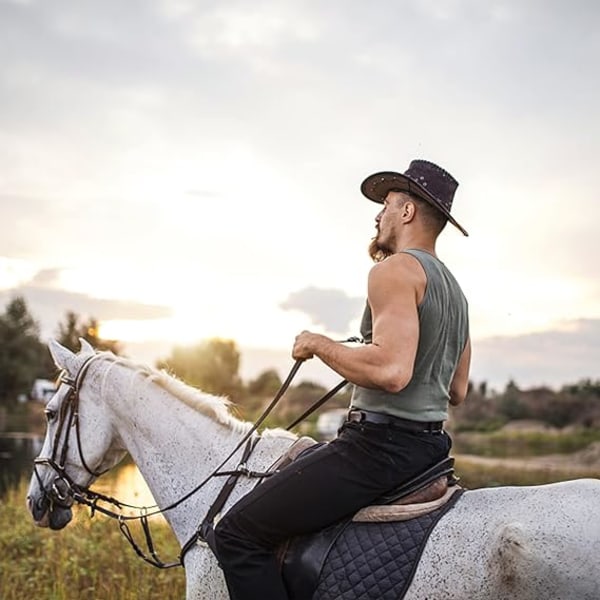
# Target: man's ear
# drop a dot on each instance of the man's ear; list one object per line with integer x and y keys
{"x": 408, "y": 211}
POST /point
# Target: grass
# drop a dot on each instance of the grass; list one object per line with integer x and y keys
{"x": 521, "y": 444}
{"x": 89, "y": 558}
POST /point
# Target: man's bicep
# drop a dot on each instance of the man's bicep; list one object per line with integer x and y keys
{"x": 394, "y": 312}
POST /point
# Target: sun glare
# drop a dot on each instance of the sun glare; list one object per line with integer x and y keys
{"x": 257, "y": 324}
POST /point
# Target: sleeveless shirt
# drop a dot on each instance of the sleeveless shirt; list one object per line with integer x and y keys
{"x": 443, "y": 334}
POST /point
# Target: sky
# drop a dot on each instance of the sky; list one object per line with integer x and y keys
{"x": 188, "y": 169}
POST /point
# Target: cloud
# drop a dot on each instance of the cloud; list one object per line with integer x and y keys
{"x": 555, "y": 357}
{"x": 333, "y": 309}
{"x": 120, "y": 121}
{"x": 48, "y": 305}
{"x": 46, "y": 278}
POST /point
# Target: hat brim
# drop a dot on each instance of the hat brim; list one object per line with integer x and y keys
{"x": 377, "y": 186}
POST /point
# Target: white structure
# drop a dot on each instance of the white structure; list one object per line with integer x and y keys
{"x": 329, "y": 422}
{"x": 43, "y": 390}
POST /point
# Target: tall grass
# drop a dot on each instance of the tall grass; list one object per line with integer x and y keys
{"x": 88, "y": 559}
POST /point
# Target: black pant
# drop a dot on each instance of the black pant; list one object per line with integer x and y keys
{"x": 316, "y": 490}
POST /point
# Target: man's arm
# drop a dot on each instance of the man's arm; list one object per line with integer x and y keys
{"x": 387, "y": 363}
{"x": 460, "y": 381}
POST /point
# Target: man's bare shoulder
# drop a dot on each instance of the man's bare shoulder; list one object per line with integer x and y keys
{"x": 402, "y": 265}
{"x": 398, "y": 274}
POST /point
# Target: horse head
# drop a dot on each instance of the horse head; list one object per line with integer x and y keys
{"x": 80, "y": 442}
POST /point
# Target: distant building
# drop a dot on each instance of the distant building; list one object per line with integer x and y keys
{"x": 329, "y": 422}
{"x": 42, "y": 390}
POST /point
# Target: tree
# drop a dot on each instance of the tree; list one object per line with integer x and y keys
{"x": 211, "y": 366}
{"x": 483, "y": 389}
{"x": 23, "y": 357}
{"x": 511, "y": 403}
{"x": 266, "y": 384}
{"x": 75, "y": 327}
{"x": 301, "y": 397}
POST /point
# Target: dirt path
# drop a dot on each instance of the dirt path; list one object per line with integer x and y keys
{"x": 578, "y": 462}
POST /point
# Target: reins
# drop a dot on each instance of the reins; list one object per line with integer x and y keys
{"x": 69, "y": 417}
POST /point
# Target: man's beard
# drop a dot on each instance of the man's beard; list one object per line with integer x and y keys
{"x": 378, "y": 252}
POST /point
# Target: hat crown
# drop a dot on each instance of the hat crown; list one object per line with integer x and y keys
{"x": 435, "y": 180}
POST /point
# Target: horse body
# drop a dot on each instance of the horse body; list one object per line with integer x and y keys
{"x": 518, "y": 543}
{"x": 525, "y": 543}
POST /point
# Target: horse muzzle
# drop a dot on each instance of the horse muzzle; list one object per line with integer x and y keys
{"x": 51, "y": 508}
{"x": 46, "y": 513}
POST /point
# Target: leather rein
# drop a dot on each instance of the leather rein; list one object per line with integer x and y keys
{"x": 64, "y": 487}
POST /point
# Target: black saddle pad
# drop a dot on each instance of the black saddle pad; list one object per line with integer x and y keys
{"x": 359, "y": 561}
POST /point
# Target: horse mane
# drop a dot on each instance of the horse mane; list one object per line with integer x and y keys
{"x": 217, "y": 407}
{"x": 212, "y": 406}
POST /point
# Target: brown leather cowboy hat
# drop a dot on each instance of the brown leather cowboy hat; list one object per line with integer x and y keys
{"x": 424, "y": 179}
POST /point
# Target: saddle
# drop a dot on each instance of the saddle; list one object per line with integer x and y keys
{"x": 428, "y": 496}
{"x": 422, "y": 494}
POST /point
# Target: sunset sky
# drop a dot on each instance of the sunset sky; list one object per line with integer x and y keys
{"x": 183, "y": 169}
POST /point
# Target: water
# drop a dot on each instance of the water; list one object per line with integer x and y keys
{"x": 18, "y": 449}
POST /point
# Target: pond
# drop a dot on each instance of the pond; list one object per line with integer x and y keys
{"x": 17, "y": 451}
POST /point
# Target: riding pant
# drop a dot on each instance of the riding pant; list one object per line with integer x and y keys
{"x": 321, "y": 487}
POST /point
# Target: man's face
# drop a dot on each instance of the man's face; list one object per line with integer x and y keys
{"x": 388, "y": 222}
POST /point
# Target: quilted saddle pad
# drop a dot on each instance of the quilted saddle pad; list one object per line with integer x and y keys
{"x": 360, "y": 561}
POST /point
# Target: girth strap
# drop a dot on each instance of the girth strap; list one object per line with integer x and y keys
{"x": 205, "y": 531}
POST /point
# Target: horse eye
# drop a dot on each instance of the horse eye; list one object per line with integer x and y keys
{"x": 50, "y": 415}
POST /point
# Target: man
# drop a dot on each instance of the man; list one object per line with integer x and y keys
{"x": 415, "y": 361}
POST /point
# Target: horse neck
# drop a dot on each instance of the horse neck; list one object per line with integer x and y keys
{"x": 175, "y": 446}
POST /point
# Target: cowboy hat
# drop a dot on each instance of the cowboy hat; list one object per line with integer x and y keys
{"x": 424, "y": 179}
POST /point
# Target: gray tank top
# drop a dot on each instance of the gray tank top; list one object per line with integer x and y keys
{"x": 443, "y": 334}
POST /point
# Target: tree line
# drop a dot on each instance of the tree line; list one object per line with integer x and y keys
{"x": 213, "y": 366}
{"x": 576, "y": 404}
{"x": 24, "y": 357}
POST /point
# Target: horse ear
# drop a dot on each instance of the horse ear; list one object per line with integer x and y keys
{"x": 86, "y": 347}
{"x": 63, "y": 358}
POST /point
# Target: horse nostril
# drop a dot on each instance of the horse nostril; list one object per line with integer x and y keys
{"x": 41, "y": 505}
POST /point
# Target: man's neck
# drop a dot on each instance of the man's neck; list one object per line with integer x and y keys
{"x": 416, "y": 242}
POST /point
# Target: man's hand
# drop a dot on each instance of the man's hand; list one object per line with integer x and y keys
{"x": 305, "y": 345}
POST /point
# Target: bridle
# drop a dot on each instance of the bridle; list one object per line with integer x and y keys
{"x": 68, "y": 417}
{"x": 64, "y": 487}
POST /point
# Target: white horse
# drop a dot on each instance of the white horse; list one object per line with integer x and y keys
{"x": 516, "y": 543}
